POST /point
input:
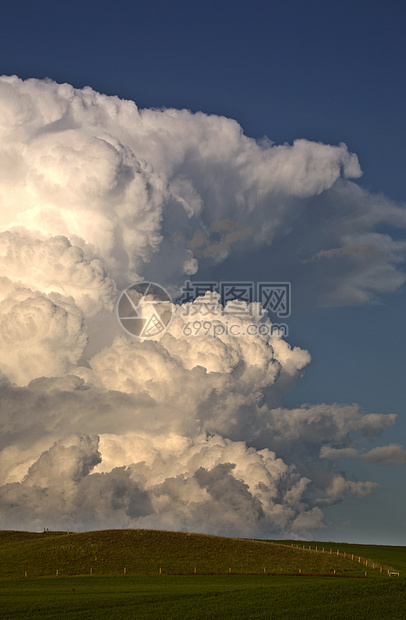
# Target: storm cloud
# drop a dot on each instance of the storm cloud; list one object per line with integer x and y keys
{"x": 180, "y": 431}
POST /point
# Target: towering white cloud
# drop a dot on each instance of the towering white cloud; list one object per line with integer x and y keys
{"x": 187, "y": 430}
{"x": 53, "y": 265}
{"x": 39, "y": 334}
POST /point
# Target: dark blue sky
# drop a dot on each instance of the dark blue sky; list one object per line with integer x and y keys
{"x": 325, "y": 71}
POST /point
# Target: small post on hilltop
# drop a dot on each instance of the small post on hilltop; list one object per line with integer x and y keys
{"x": 125, "y": 570}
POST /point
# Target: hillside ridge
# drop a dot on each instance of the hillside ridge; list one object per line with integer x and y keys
{"x": 143, "y": 552}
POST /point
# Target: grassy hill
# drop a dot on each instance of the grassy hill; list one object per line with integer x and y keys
{"x": 149, "y": 552}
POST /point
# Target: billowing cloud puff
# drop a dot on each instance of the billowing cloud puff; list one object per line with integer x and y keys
{"x": 203, "y": 488}
{"x": 57, "y": 487}
{"x": 185, "y": 430}
{"x": 39, "y": 334}
{"x": 188, "y": 436}
{"x": 220, "y": 378}
{"x": 53, "y": 265}
{"x": 158, "y": 193}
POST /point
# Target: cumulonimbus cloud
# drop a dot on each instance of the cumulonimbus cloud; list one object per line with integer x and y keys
{"x": 185, "y": 430}
{"x": 150, "y": 191}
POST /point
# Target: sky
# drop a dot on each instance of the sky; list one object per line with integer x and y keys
{"x": 259, "y": 142}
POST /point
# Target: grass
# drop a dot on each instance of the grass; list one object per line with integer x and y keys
{"x": 234, "y": 597}
{"x": 389, "y": 555}
{"x": 160, "y": 579}
{"x": 149, "y": 552}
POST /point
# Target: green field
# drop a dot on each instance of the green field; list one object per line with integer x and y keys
{"x": 234, "y": 596}
{"x": 155, "y": 574}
